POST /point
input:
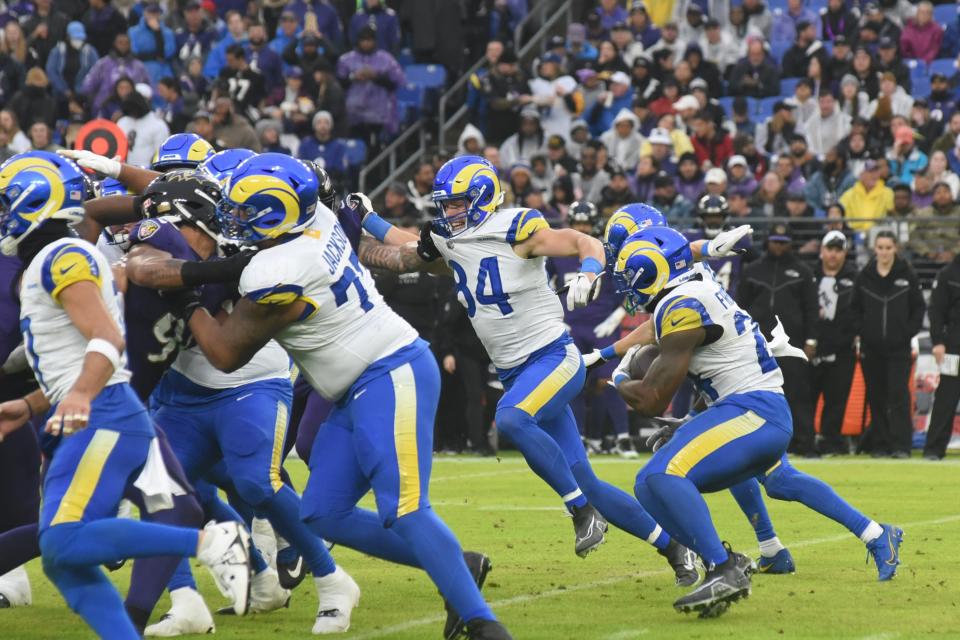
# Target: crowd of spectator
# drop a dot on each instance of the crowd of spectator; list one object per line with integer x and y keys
{"x": 813, "y": 109}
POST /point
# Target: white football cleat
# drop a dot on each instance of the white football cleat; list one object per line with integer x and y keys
{"x": 338, "y": 595}
{"x": 15, "y": 589}
{"x": 188, "y": 614}
{"x": 266, "y": 594}
{"x": 225, "y": 550}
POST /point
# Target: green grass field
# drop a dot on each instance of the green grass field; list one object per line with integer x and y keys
{"x": 540, "y": 589}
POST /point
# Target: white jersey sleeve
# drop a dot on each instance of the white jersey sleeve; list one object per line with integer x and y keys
{"x": 735, "y": 357}
{"x": 508, "y": 298}
{"x": 345, "y": 326}
{"x": 55, "y": 347}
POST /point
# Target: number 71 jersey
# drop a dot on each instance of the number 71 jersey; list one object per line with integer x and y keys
{"x": 508, "y": 298}
{"x": 346, "y": 326}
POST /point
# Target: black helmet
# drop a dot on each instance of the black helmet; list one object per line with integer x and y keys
{"x": 185, "y": 195}
{"x": 716, "y": 208}
{"x": 326, "y": 192}
{"x": 583, "y": 212}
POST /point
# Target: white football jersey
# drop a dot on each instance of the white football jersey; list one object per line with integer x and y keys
{"x": 346, "y": 326}
{"x": 55, "y": 348}
{"x": 508, "y": 298}
{"x": 738, "y": 360}
{"x": 269, "y": 363}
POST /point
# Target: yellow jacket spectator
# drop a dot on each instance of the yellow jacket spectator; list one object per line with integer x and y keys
{"x": 869, "y": 198}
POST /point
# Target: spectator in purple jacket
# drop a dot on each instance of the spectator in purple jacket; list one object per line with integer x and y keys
{"x": 922, "y": 36}
{"x": 371, "y": 77}
{"x": 119, "y": 63}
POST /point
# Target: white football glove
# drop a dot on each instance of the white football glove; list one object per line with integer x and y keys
{"x": 89, "y": 160}
{"x": 610, "y": 324}
{"x": 582, "y": 291}
{"x": 723, "y": 245}
{"x": 592, "y": 358}
{"x": 360, "y": 203}
{"x": 622, "y": 372}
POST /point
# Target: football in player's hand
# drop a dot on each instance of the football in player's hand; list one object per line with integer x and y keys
{"x": 642, "y": 360}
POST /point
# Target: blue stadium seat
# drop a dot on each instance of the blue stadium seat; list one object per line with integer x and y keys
{"x": 727, "y": 103}
{"x": 778, "y": 49}
{"x": 356, "y": 152}
{"x": 918, "y": 68}
{"x": 944, "y": 66}
{"x": 428, "y": 76}
{"x": 764, "y": 107}
{"x": 945, "y": 14}
{"x": 410, "y": 102}
{"x": 788, "y": 86}
{"x": 921, "y": 87}
{"x": 405, "y": 57}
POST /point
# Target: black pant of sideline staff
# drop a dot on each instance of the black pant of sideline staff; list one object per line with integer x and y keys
{"x": 796, "y": 388}
{"x": 887, "y": 378}
{"x": 473, "y": 376}
{"x": 941, "y": 417}
{"x": 833, "y": 380}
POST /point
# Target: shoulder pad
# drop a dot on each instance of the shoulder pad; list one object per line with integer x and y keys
{"x": 67, "y": 265}
{"x": 525, "y": 223}
{"x": 680, "y": 313}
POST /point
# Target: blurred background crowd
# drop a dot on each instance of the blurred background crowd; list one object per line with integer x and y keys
{"x": 831, "y": 126}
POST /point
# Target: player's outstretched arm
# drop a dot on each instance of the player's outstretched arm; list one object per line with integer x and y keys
{"x": 555, "y": 243}
{"x": 89, "y": 314}
{"x": 134, "y": 178}
{"x": 723, "y": 245}
{"x": 155, "y": 269}
{"x": 399, "y": 258}
{"x": 641, "y": 336}
{"x": 231, "y": 344}
{"x": 651, "y": 396}
{"x": 16, "y": 413}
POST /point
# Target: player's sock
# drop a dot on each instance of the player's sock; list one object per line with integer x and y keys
{"x": 771, "y": 547}
{"x": 91, "y": 595}
{"x": 441, "y": 557}
{"x": 112, "y": 539}
{"x": 871, "y": 532}
{"x": 182, "y": 577}
{"x": 619, "y": 508}
{"x": 748, "y": 496}
{"x": 18, "y": 546}
{"x": 540, "y": 451}
{"x": 363, "y": 531}
{"x": 689, "y": 511}
{"x": 283, "y": 511}
{"x": 787, "y": 483}
{"x": 150, "y": 576}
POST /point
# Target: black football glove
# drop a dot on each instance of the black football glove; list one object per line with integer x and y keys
{"x": 666, "y": 427}
{"x": 182, "y": 302}
{"x": 426, "y": 249}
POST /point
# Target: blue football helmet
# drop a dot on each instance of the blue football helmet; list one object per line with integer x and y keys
{"x": 181, "y": 151}
{"x": 473, "y": 180}
{"x": 37, "y": 186}
{"x": 113, "y": 187}
{"x": 649, "y": 261}
{"x": 268, "y": 196}
{"x": 221, "y": 165}
{"x": 625, "y": 221}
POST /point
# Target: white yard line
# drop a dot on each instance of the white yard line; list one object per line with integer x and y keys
{"x": 552, "y": 593}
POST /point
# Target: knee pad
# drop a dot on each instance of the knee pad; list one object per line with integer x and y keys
{"x": 781, "y": 483}
{"x": 512, "y": 421}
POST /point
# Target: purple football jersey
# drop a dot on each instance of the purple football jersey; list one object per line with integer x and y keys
{"x": 9, "y": 306}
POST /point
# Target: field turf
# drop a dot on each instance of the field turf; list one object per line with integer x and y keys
{"x": 540, "y": 589}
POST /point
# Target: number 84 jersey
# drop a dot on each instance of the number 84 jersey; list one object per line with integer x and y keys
{"x": 346, "y": 326}
{"x": 734, "y": 357}
{"x": 508, "y": 298}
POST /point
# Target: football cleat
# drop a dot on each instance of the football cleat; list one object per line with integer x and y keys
{"x": 723, "y": 585}
{"x": 291, "y": 567}
{"x": 487, "y": 630}
{"x": 15, "y": 589}
{"x": 592, "y": 446}
{"x": 625, "y": 449}
{"x": 778, "y": 564}
{"x": 266, "y": 594}
{"x": 225, "y": 550}
{"x": 885, "y": 550}
{"x": 590, "y": 529}
{"x": 338, "y": 595}
{"x": 685, "y": 563}
{"x": 479, "y": 566}
{"x": 188, "y": 614}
